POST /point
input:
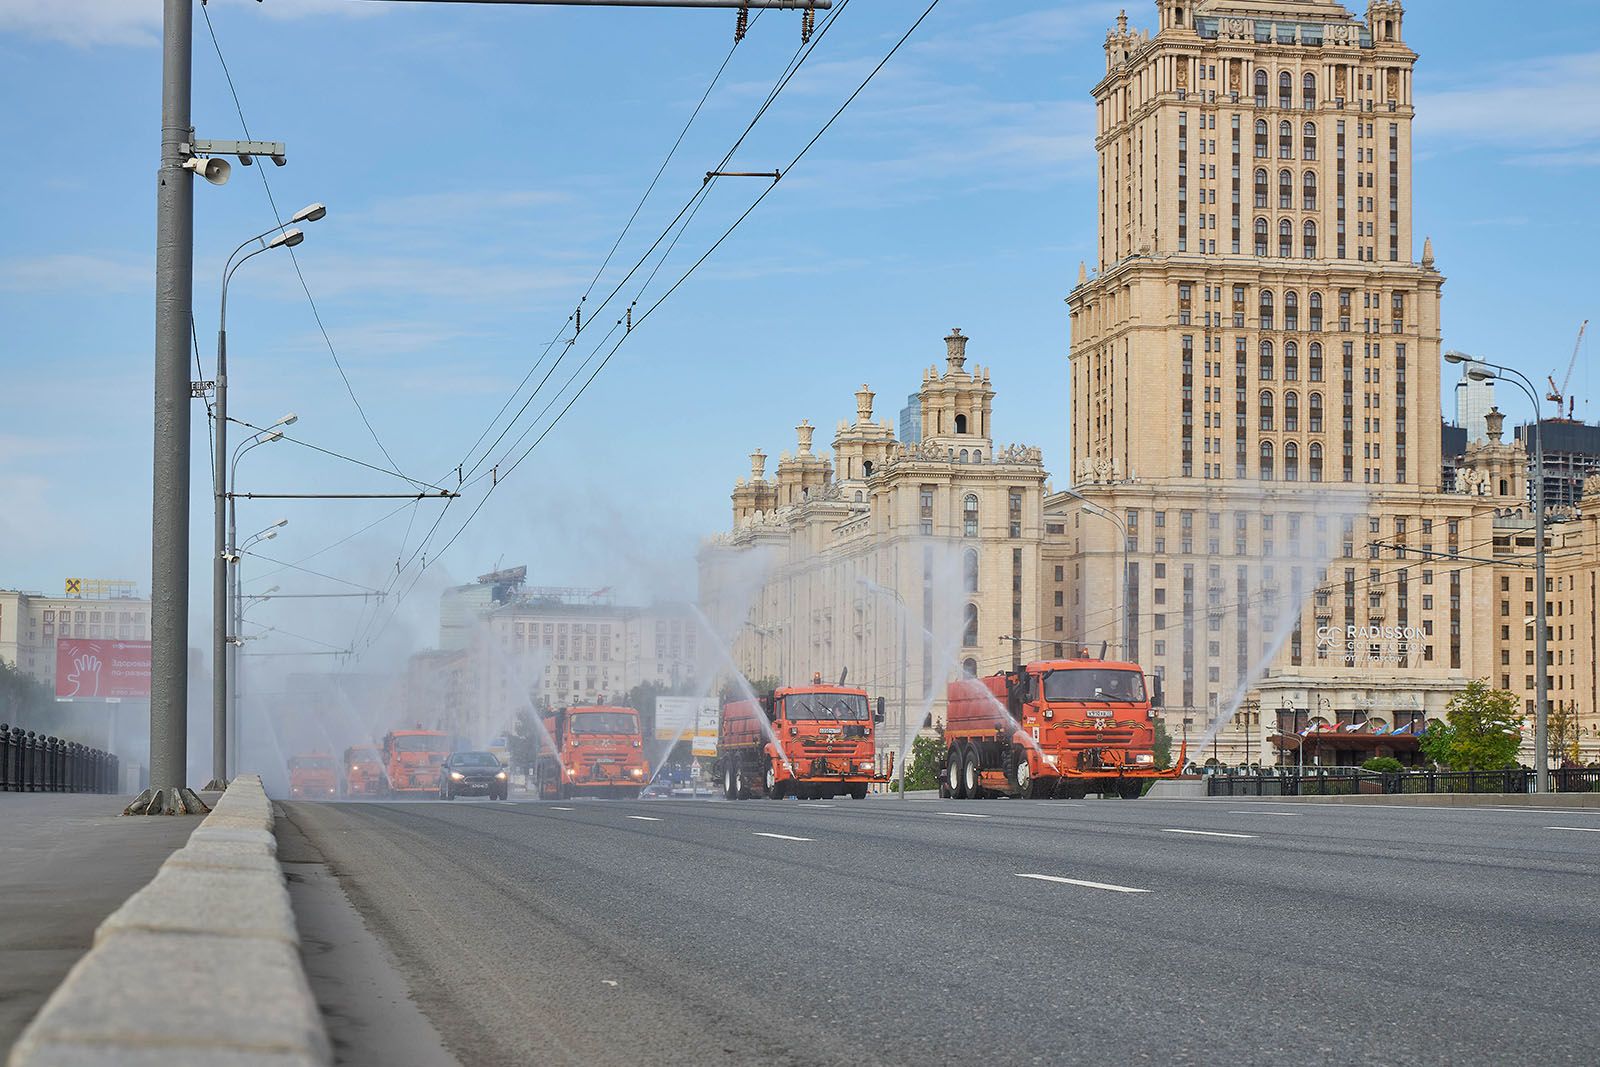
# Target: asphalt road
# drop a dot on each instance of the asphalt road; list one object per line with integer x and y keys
{"x": 888, "y": 931}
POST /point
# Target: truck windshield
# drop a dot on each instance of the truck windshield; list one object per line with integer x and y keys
{"x": 363, "y": 755}
{"x": 1094, "y": 684}
{"x": 311, "y": 763}
{"x": 604, "y": 722}
{"x": 838, "y": 707}
{"x": 419, "y": 743}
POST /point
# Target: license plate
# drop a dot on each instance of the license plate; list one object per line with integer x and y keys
{"x": 1100, "y": 713}
{"x": 829, "y": 730}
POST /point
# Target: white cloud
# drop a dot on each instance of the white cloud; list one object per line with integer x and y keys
{"x": 88, "y": 23}
{"x": 1526, "y": 105}
{"x": 77, "y": 271}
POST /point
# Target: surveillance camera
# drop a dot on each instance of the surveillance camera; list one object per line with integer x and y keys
{"x": 212, "y": 170}
{"x": 279, "y": 161}
{"x": 245, "y": 159}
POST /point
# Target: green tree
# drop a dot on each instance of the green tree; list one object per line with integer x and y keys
{"x": 1163, "y": 745}
{"x": 1383, "y": 765}
{"x": 24, "y": 700}
{"x": 1481, "y": 733}
{"x": 1564, "y": 730}
{"x": 922, "y": 770}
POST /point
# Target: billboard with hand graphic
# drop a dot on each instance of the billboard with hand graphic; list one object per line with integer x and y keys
{"x": 102, "y": 670}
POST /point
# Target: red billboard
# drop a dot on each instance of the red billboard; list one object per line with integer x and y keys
{"x": 102, "y": 670}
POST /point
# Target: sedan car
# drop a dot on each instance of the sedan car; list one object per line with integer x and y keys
{"x": 469, "y": 774}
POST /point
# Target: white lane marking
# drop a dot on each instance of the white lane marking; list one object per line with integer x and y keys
{"x": 645, "y": 818}
{"x": 1206, "y": 833}
{"x": 560, "y": 809}
{"x": 1080, "y": 881}
{"x": 780, "y": 837}
{"x": 962, "y": 814}
{"x": 1288, "y": 814}
{"x": 1579, "y": 829}
{"x": 1542, "y": 811}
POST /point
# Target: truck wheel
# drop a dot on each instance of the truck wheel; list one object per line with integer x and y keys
{"x": 729, "y": 791}
{"x": 955, "y": 774}
{"x": 972, "y": 775}
{"x": 1024, "y": 778}
{"x": 774, "y": 790}
{"x": 859, "y": 792}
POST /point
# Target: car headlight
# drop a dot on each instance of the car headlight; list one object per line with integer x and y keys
{"x": 637, "y": 773}
{"x": 456, "y": 776}
{"x": 1144, "y": 757}
{"x": 867, "y": 764}
{"x": 501, "y": 776}
{"x": 1049, "y": 759}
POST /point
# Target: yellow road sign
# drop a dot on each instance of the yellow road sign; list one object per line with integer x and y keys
{"x": 74, "y": 586}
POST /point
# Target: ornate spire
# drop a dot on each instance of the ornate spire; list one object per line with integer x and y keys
{"x": 804, "y": 432}
{"x": 864, "y": 404}
{"x": 1494, "y": 424}
{"x": 758, "y": 466}
{"x": 1427, "y": 251}
{"x": 955, "y": 349}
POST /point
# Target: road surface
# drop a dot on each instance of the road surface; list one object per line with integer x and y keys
{"x": 927, "y": 931}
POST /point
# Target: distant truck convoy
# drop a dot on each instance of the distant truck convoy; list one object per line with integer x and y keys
{"x": 411, "y": 760}
{"x": 811, "y": 741}
{"x": 598, "y": 752}
{"x": 313, "y": 777}
{"x": 362, "y": 772}
{"x": 1057, "y": 728}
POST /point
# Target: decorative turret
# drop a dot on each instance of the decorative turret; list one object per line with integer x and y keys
{"x": 955, "y": 350}
{"x": 804, "y": 432}
{"x": 757, "y": 496}
{"x": 864, "y": 398}
{"x": 1493, "y": 466}
{"x": 1495, "y": 425}
{"x": 861, "y": 448}
{"x": 1427, "y": 252}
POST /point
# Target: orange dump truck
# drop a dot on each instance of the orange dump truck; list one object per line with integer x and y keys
{"x": 810, "y": 741}
{"x": 411, "y": 760}
{"x": 598, "y": 752}
{"x": 313, "y": 777}
{"x": 362, "y": 771}
{"x": 1057, "y": 728}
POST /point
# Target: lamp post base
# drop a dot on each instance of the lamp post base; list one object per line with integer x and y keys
{"x": 176, "y": 801}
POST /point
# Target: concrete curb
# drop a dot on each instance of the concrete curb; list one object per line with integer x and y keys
{"x": 201, "y": 965}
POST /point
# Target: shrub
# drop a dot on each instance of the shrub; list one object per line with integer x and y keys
{"x": 1383, "y": 765}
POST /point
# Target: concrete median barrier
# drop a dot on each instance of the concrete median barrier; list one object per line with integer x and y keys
{"x": 200, "y": 966}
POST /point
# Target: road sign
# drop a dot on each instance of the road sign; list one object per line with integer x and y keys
{"x": 688, "y": 719}
{"x": 74, "y": 586}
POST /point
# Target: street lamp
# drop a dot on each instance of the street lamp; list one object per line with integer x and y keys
{"x": 900, "y": 756}
{"x": 1482, "y": 371}
{"x": 1122, "y": 528}
{"x": 283, "y": 238}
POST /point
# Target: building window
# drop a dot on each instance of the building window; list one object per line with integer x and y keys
{"x": 1308, "y": 91}
{"x": 1266, "y": 409}
{"x": 969, "y": 569}
{"x": 1261, "y": 136}
{"x": 1261, "y": 95}
{"x": 1316, "y": 463}
{"x": 969, "y": 516}
{"x": 1285, "y": 141}
{"x": 1310, "y": 239}
{"x": 1266, "y": 309}
{"x": 1266, "y": 460}
{"x": 1285, "y": 238}
{"x": 969, "y": 631}
{"x": 1291, "y": 460}
{"x": 1261, "y": 238}
{"x": 1014, "y": 512}
{"x": 1291, "y": 413}
{"x": 1266, "y": 361}
{"x": 1308, "y": 139}
{"x": 1308, "y": 189}
{"x": 1261, "y": 187}
{"x": 1285, "y": 90}
{"x": 1285, "y": 190}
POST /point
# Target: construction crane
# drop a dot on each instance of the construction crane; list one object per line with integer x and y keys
{"x": 1558, "y": 394}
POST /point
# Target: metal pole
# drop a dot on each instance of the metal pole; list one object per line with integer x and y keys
{"x": 219, "y": 563}
{"x": 235, "y": 628}
{"x": 169, "y": 541}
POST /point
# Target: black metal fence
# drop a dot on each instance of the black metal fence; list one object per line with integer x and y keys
{"x": 36, "y": 763}
{"x": 1348, "y": 781}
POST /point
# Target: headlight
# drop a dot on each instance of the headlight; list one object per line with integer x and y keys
{"x": 354, "y": 768}
{"x": 456, "y": 776}
{"x": 867, "y": 765}
{"x": 1049, "y": 759}
{"x": 330, "y": 789}
{"x": 1144, "y": 757}
{"x": 501, "y": 776}
{"x": 637, "y": 773}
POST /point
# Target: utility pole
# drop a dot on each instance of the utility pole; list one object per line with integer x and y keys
{"x": 169, "y": 519}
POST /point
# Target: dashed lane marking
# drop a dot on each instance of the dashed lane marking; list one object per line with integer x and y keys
{"x": 962, "y": 814}
{"x": 644, "y": 818}
{"x": 1205, "y": 833}
{"x": 1579, "y": 829}
{"x": 1286, "y": 814}
{"x": 560, "y": 809}
{"x": 1081, "y": 882}
{"x": 780, "y": 837}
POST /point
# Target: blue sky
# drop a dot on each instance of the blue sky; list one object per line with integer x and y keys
{"x": 478, "y": 163}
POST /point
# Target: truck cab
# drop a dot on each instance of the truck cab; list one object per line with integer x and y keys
{"x": 411, "y": 759}
{"x": 313, "y": 777}
{"x": 362, "y": 771}
{"x": 598, "y": 752}
{"x": 1052, "y": 728}
{"x": 812, "y": 741}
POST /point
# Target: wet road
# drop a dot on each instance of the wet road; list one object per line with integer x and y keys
{"x": 926, "y": 931}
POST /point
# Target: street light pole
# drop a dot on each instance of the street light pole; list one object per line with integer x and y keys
{"x": 1122, "y": 529}
{"x": 1481, "y": 370}
{"x": 219, "y": 564}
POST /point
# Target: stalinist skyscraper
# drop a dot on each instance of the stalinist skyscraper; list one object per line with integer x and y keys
{"x": 1255, "y": 367}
